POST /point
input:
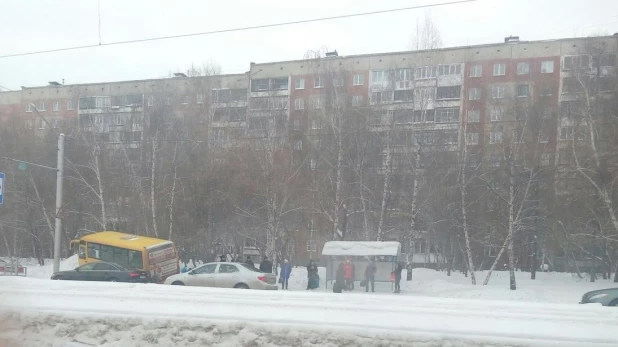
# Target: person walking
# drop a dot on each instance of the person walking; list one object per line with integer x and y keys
{"x": 266, "y": 266}
{"x": 312, "y": 273}
{"x": 348, "y": 269}
{"x": 284, "y": 275}
{"x": 370, "y": 276}
{"x": 339, "y": 279}
{"x": 250, "y": 262}
{"x": 397, "y": 271}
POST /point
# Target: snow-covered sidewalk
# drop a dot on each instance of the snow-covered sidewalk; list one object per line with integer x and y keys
{"x": 58, "y": 313}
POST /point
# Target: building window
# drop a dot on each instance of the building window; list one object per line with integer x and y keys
{"x": 450, "y": 138}
{"x": 42, "y": 106}
{"x": 316, "y": 123}
{"x": 56, "y": 106}
{"x": 28, "y": 124}
{"x": 40, "y": 124}
{"x": 543, "y": 136}
{"x": 547, "y": 66}
{"x": 150, "y": 101}
{"x": 404, "y": 116}
{"x": 338, "y": 81}
{"x": 452, "y": 69}
{"x": 574, "y": 62}
{"x": 546, "y": 90}
{"x": 426, "y": 72}
{"x": 70, "y": 106}
{"x": 497, "y": 91}
{"x": 601, "y": 60}
{"x": 299, "y": 104}
{"x": 453, "y": 92}
{"x": 566, "y": 133}
{"x": 298, "y": 145}
{"x": 300, "y": 83}
{"x": 403, "y": 95}
{"x": 378, "y": 76}
{"x": 279, "y": 83}
{"x": 523, "y": 68}
{"x": 381, "y": 97}
{"x": 496, "y": 114}
{"x": 318, "y": 82}
{"x": 259, "y": 85}
{"x": 424, "y": 94}
{"x": 472, "y": 139}
{"x": 318, "y": 102}
{"x": 359, "y": 79}
{"x": 474, "y": 94}
{"x": 494, "y": 160}
{"x": 184, "y": 99}
{"x": 447, "y": 115}
{"x": 29, "y": 107}
{"x": 296, "y": 124}
{"x": 476, "y": 71}
{"x": 500, "y": 69}
{"x": 474, "y": 116}
{"x": 199, "y": 98}
{"x": 545, "y": 158}
{"x": 522, "y": 91}
{"x": 357, "y": 100}
{"x": 495, "y": 137}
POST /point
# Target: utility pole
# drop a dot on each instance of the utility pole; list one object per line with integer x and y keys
{"x": 59, "y": 184}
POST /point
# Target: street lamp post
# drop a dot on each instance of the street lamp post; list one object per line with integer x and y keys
{"x": 59, "y": 187}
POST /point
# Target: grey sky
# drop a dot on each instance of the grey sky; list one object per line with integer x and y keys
{"x": 32, "y": 25}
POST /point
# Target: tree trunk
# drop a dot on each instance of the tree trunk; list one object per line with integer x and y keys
{"x": 153, "y": 165}
{"x": 511, "y": 233}
{"x": 101, "y": 194}
{"x": 464, "y": 214}
{"x": 385, "y": 189}
{"x": 337, "y": 234}
{"x": 173, "y": 193}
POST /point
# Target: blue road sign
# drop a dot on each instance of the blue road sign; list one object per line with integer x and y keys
{"x": 1, "y": 187}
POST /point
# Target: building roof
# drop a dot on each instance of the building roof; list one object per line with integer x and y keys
{"x": 361, "y": 248}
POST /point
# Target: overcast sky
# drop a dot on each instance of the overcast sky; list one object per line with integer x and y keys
{"x": 33, "y": 25}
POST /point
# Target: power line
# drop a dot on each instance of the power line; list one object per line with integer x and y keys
{"x": 263, "y": 26}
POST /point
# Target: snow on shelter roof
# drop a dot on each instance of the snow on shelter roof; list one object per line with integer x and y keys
{"x": 360, "y": 248}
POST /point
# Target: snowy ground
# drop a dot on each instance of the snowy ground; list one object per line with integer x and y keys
{"x": 434, "y": 310}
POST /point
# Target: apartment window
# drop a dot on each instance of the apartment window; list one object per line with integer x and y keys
{"x": 298, "y": 145}
{"x": 566, "y": 133}
{"x": 238, "y": 114}
{"x": 500, "y": 69}
{"x": 296, "y": 124}
{"x": 523, "y": 68}
{"x": 258, "y": 104}
{"x": 403, "y": 95}
{"x": 28, "y": 124}
{"x": 546, "y": 90}
{"x": 357, "y": 100}
{"x": 199, "y": 98}
{"x": 601, "y": 60}
{"x": 29, "y": 107}
{"x": 318, "y": 102}
{"x": 547, "y": 66}
{"x": 318, "y": 82}
{"x": 543, "y": 136}
{"x": 316, "y": 123}
{"x": 70, "y": 106}
{"x": 423, "y": 116}
{"x": 56, "y": 106}
{"x": 424, "y": 94}
{"x": 522, "y": 91}
{"x": 150, "y": 101}
{"x": 576, "y": 62}
{"x": 40, "y": 124}
{"x": 496, "y": 114}
{"x": 358, "y": 79}
{"x": 452, "y": 69}
{"x": 299, "y": 104}
{"x": 453, "y": 92}
{"x": 494, "y": 160}
{"x": 259, "y": 85}
{"x": 495, "y": 137}
{"x": 426, "y": 72}
{"x": 474, "y": 116}
{"x": 279, "y": 83}
{"x": 474, "y": 94}
{"x": 381, "y": 97}
{"x": 447, "y": 115}
{"x": 404, "y": 116}
{"x": 103, "y": 101}
{"x": 497, "y": 91}
{"x": 42, "y": 106}
{"x": 472, "y": 139}
{"x": 279, "y": 103}
{"x": 546, "y": 113}
{"x": 545, "y": 159}
{"x": 476, "y": 71}
{"x": 300, "y": 83}
{"x": 378, "y": 76}
{"x": 338, "y": 81}
{"x": 185, "y": 99}
{"x": 450, "y": 138}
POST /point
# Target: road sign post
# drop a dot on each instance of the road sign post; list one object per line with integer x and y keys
{"x": 1, "y": 188}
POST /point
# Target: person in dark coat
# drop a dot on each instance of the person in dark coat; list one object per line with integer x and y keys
{"x": 370, "y": 276}
{"x": 340, "y": 278}
{"x": 312, "y": 273}
{"x": 397, "y": 271}
{"x": 284, "y": 275}
{"x": 266, "y": 266}
{"x": 250, "y": 262}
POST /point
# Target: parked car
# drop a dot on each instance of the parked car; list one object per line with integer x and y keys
{"x": 225, "y": 275}
{"x": 605, "y": 297}
{"x": 103, "y": 271}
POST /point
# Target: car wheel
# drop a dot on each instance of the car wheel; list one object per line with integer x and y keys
{"x": 113, "y": 279}
{"x": 241, "y": 286}
{"x": 614, "y": 303}
{"x": 178, "y": 283}
{"x": 59, "y": 278}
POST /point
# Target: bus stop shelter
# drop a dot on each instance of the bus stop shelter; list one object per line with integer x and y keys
{"x": 386, "y": 254}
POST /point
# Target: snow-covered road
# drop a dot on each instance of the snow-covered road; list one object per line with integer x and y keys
{"x": 59, "y": 313}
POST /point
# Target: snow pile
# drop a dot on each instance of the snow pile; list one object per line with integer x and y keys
{"x": 360, "y": 248}
{"x": 56, "y": 313}
{"x": 44, "y": 272}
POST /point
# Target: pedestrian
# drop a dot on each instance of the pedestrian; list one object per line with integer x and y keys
{"x": 348, "y": 269}
{"x": 250, "y": 262}
{"x": 284, "y": 275}
{"x": 397, "y": 271}
{"x": 312, "y": 273}
{"x": 266, "y": 266}
{"x": 339, "y": 279}
{"x": 370, "y": 276}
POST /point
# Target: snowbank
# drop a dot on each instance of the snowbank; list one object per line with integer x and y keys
{"x": 121, "y": 314}
{"x": 44, "y": 272}
{"x": 360, "y": 248}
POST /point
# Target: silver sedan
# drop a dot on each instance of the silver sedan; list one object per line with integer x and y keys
{"x": 225, "y": 275}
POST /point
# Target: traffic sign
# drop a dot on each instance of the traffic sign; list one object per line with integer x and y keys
{"x": 1, "y": 188}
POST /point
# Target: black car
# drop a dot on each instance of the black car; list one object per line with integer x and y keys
{"x": 103, "y": 271}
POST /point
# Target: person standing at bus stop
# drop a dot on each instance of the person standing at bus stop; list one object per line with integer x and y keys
{"x": 284, "y": 275}
{"x": 397, "y": 272}
{"x": 370, "y": 276}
